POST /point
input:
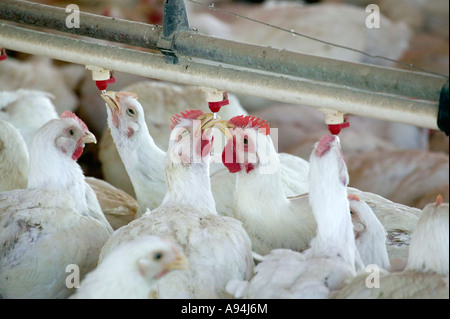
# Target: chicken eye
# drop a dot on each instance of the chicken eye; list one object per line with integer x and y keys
{"x": 131, "y": 112}
{"x": 245, "y": 141}
{"x": 351, "y": 212}
{"x": 71, "y": 132}
{"x": 158, "y": 256}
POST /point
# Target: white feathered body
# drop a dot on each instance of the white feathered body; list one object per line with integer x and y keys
{"x": 13, "y": 158}
{"x": 213, "y": 245}
{"x": 42, "y": 233}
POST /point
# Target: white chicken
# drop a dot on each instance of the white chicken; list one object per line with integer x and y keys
{"x": 276, "y": 222}
{"x": 426, "y": 275}
{"x": 142, "y": 158}
{"x": 217, "y": 247}
{"x": 13, "y": 158}
{"x": 332, "y": 257}
{"x": 132, "y": 269}
{"x": 53, "y": 223}
{"x": 15, "y": 107}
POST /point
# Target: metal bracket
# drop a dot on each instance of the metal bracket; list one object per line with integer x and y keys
{"x": 443, "y": 112}
{"x": 175, "y": 19}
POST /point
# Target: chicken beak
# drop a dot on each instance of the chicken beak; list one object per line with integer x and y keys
{"x": 224, "y": 127}
{"x": 207, "y": 120}
{"x": 111, "y": 100}
{"x": 89, "y": 138}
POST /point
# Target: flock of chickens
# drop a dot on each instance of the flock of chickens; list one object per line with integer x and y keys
{"x": 175, "y": 202}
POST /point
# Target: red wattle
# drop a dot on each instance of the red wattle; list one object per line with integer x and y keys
{"x": 249, "y": 167}
{"x": 76, "y": 155}
{"x": 206, "y": 147}
{"x": 231, "y": 163}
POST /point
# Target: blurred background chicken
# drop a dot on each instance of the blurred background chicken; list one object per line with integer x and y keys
{"x": 43, "y": 74}
{"x": 16, "y": 105}
{"x": 13, "y": 158}
{"x": 410, "y": 177}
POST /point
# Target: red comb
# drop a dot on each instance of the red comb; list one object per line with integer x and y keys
{"x": 187, "y": 114}
{"x": 68, "y": 114}
{"x": 250, "y": 122}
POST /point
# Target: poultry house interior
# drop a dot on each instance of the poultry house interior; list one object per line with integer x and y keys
{"x": 273, "y": 170}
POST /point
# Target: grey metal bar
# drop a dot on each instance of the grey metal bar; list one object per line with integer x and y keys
{"x": 188, "y": 43}
{"x": 91, "y": 25}
{"x": 298, "y": 91}
{"x": 357, "y": 75}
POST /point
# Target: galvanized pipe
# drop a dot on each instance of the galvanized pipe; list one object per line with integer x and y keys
{"x": 362, "y": 76}
{"x": 91, "y": 25}
{"x": 191, "y": 44}
{"x": 293, "y": 90}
